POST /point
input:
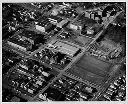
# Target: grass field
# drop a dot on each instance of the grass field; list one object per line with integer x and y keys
{"x": 91, "y": 69}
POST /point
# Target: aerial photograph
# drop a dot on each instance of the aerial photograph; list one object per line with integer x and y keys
{"x": 63, "y": 51}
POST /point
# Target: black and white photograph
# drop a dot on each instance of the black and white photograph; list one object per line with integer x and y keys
{"x": 63, "y": 51}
